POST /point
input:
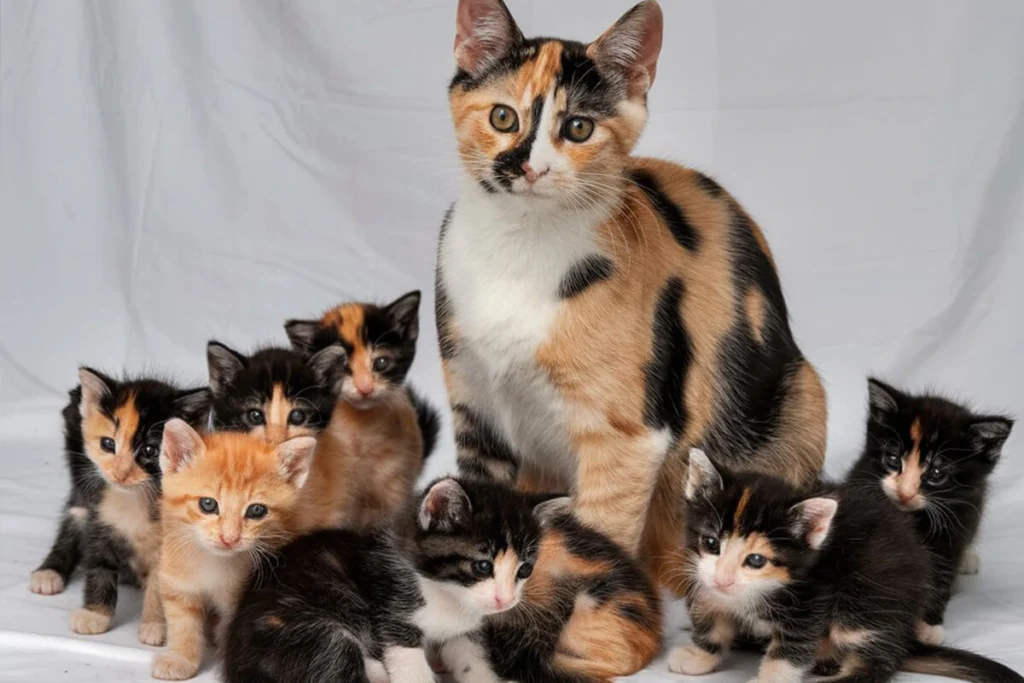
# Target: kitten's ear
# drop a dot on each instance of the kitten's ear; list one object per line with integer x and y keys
{"x": 329, "y": 365}
{"x": 94, "y": 387}
{"x": 193, "y": 406}
{"x": 484, "y": 31}
{"x": 301, "y": 334}
{"x": 180, "y": 447}
{"x": 882, "y": 399}
{"x": 812, "y": 520}
{"x": 547, "y": 511}
{"x": 404, "y": 313}
{"x": 631, "y": 46}
{"x": 295, "y": 458}
{"x": 702, "y": 477}
{"x": 989, "y": 434}
{"x": 444, "y": 507}
{"x": 224, "y": 366}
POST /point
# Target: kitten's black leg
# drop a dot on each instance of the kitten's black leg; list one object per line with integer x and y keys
{"x": 713, "y": 635}
{"x": 55, "y": 571}
{"x": 930, "y": 630}
{"x": 101, "y": 565}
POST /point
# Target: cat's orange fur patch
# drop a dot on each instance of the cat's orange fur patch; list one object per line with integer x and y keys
{"x": 754, "y": 304}
{"x": 741, "y": 506}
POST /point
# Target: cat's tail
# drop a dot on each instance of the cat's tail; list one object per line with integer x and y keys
{"x": 428, "y": 419}
{"x": 937, "y": 660}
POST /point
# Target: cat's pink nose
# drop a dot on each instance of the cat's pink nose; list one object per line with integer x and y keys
{"x": 533, "y": 173}
{"x": 228, "y": 541}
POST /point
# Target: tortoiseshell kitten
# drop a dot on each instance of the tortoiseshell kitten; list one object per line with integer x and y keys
{"x": 832, "y": 576}
{"x": 343, "y": 605}
{"x": 933, "y": 457}
{"x": 111, "y": 521}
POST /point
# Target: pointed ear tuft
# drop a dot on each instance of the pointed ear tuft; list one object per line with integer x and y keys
{"x": 702, "y": 477}
{"x": 989, "y": 434}
{"x": 404, "y": 313}
{"x": 631, "y": 46}
{"x": 295, "y": 458}
{"x": 94, "y": 387}
{"x": 484, "y": 32}
{"x": 883, "y": 399}
{"x": 444, "y": 507}
{"x": 329, "y": 365}
{"x": 812, "y": 520}
{"x": 193, "y": 406}
{"x": 302, "y": 334}
{"x": 224, "y": 365}
{"x": 180, "y": 447}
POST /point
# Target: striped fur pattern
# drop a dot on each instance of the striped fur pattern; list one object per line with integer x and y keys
{"x": 111, "y": 520}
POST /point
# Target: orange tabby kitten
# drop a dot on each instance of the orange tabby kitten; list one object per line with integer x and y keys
{"x": 227, "y": 498}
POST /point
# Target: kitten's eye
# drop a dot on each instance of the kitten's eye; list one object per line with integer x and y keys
{"x": 755, "y": 561}
{"x": 296, "y": 417}
{"x": 936, "y": 476}
{"x": 483, "y": 568}
{"x": 255, "y": 418}
{"x": 107, "y": 444}
{"x": 578, "y": 129}
{"x": 892, "y": 462}
{"x": 149, "y": 451}
{"x": 504, "y": 119}
{"x": 381, "y": 364}
{"x": 208, "y": 505}
{"x": 256, "y": 511}
{"x": 525, "y": 570}
{"x": 710, "y": 544}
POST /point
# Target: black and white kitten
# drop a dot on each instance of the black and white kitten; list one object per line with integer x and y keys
{"x": 346, "y": 606}
{"x": 932, "y": 458}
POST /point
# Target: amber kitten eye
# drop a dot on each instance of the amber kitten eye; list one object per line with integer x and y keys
{"x": 107, "y": 444}
{"x": 578, "y": 129}
{"x": 504, "y": 119}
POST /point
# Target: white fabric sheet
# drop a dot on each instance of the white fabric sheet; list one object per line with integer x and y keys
{"x": 172, "y": 171}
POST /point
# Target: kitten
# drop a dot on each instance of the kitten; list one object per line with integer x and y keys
{"x": 830, "y": 576}
{"x": 380, "y": 432}
{"x": 343, "y": 605}
{"x": 111, "y": 521}
{"x": 227, "y": 499}
{"x": 933, "y": 458}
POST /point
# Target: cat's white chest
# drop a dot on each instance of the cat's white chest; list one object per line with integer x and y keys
{"x": 443, "y": 617}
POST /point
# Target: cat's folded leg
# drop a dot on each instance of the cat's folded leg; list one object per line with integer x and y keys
{"x": 52, "y": 575}
{"x": 467, "y": 661}
{"x": 712, "y": 637}
{"x": 407, "y": 665}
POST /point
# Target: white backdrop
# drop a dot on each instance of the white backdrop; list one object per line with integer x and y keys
{"x": 176, "y": 170}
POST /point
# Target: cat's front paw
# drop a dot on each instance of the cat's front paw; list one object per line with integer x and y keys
{"x": 168, "y": 666}
{"x": 970, "y": 563}
{"x": 408, "y": 665}
{"x": 930, "y": 634}
{"x": 89, "y": 623}
{"x": 152, "y": 633}
{"x": 46, "y": 582}
{"x": 375, "y": 671}
{"x": 692, "y": 660}
{"x": 467, "y": 662}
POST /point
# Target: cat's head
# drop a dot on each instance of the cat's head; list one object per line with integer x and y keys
{"x": 380, "y": 342}
{"x": 231, "y": 492}
{"x": 928, "y": 450}
{"x": 749, "y": 536}
{"x": 544, "y": 119}
{"x": 274, "y": 394}
{"x": 123, "y": 421}
{"x": 477, "y": 542}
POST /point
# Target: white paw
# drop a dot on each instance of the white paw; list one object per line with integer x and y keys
{"x": 46, "y": 582}
{"x": 692, "y": 661}
{"x": 375, "y": 671}
{"x": 408, "y": 665}
{"x": 168, "y": 666}
{"x": 930, "y": 635}
{"x": 89, "y": 623}
{"x": 152, "y": 633}
{"x": 970, "y": 563}
{"x": 467, "y": 662}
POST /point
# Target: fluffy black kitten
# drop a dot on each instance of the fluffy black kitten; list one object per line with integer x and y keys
{"x": 112, "y": 433}
{"x": 932, "y": 458}
{"x": 345, "y": 606}
{"x": 833, "y": 577}
{"x": 275, "y": 393}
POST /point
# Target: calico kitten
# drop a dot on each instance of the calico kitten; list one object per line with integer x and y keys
{"x": 829, "y": 576}
{"x": 111, "y": 521}
{"x": 228, "y": 498}
{"x": 933, "y": 458}
{"x": 342, "y": 605}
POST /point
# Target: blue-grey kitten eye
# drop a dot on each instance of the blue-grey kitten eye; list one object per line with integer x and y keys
{"x": 296, "y": 417}
{"x": 208, "y": 505}
{"x": 525, "y": 569}
{"x": 256, "y": 511}
{"x": 892, "y": 461}
{"x": 381, "y": 364}
{"x": 483, "y": 568}
{"x": 710, "y": 544}
{"x": 107, "y": 444}
{"x": 755, "y": 561}
{"x": 936, "y": 476}
{"x": 149, "y": 451}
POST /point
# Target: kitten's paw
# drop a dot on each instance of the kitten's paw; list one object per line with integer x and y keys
{"x": 375, "y": 671}
{"x": 89, "y": 623}
{"x": 971, "y": 562}
{"x": 467, "y": 662}
{"x": 153, "y": 633}
{"x": 930, "y": 635}
{"x": 692, "y": 661}
{"x": 46, "y": 582}
{"x": 168, "y": 666}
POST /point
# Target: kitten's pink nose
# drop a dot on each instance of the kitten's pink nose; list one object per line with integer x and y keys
{"x": 228, "y": 541}
{"x": 533, "y": 173}
{"x": 364, "y": 385}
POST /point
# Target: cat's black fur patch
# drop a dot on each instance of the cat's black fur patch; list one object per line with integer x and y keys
{"x": 671, "y": 213}
{"x": 665, "y": 372}
{"x": 442, "y": 307}
{"x": 508, "y": 165}
{"x": 588, "y": 271}
{"x": 710, "y": 185}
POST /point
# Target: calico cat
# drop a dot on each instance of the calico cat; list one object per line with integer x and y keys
{"x": 380, "y": 431}
{"x": 932, "y": 458}
{"x": 599, "y": 313}
{"x": 343, "y": 605}
{"x": 228, "y": 498}
{"x": 830, "y": 576}
{"x": 111, "y": 521}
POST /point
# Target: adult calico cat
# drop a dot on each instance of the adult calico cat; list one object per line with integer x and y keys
{"x": 600, "y": 313}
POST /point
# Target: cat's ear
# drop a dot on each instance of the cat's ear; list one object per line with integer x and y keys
{"x": 989, "y": 433}
{"x": 484, "y": 32}
{"x": 94, "y": 386}
{"x": 180, "y": 447}
{"x": 547, "y": 511}
{"x": 702, "y": 477}
{"x": 811, "y": 520}
{"x": 883, "y": 399}
{"x": 631, "y": 46}
{"x": 329, "y": 365}
{"x": 301, "y": 334}
{"x": 445, "y": 506}
{"x": 295, "y": 458}
{"x": 404, "y": 314}
{"x": 193, "y": 406}
{"x": 224, "y": 365}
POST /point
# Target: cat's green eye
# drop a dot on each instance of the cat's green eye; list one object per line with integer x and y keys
{"x": 504, "y": 119}
{"x": 208, "y": 505}
{"x": 710, "y": 544}
{"x": 256, "y": 511}
{"x": 107, "y": 444}
{"x": 255, "y": 418}
{"x": 755, "y": 561}
{"x": 381, "y": 364}
{"x": 483, "y": 568}
{"x": 578, "y": 129}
